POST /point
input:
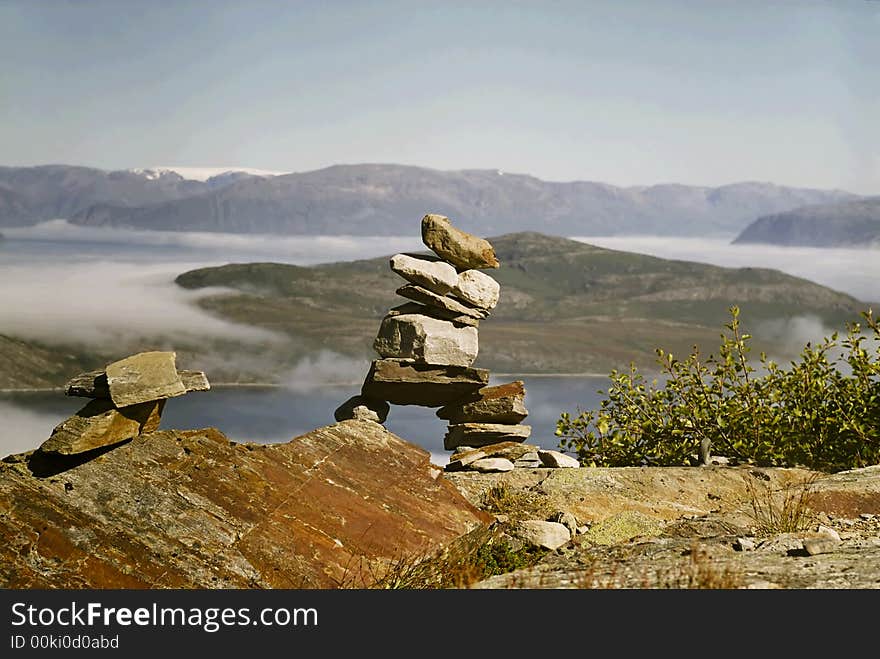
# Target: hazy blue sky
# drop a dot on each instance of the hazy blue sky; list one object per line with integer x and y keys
{"x": 634, "y": 92}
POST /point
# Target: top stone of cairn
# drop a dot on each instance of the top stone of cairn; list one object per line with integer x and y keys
{"x": 463, "y": 250}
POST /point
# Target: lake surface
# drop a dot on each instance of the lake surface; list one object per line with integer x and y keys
{"x": 277, "y": 414}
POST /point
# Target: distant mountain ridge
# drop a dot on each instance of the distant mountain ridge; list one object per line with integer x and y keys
{"x": 379, "y": 199}
{"x": 34, "y": 194}
{"x": 847, "y": 224}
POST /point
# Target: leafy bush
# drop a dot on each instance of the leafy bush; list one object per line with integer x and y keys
{"x": 822, "y": 412}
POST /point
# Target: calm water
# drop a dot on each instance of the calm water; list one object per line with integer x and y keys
{"x": 274, "y": 414}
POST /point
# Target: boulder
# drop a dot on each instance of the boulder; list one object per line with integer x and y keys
{"x": 557, "y": 460}
{"x": 402, "y": 382}
{"x": 189, "y": 509}
{"x": 362, "y": 408}
{"x": 461, "y": 249}
{"x": 433, "y": 312}
{"x": 94, "y": 383}
{"x": 432, "y": 273}
{"x": 426, "y": 340}
{"x": 424, "y": 296}
{"x": 537, "y": 532}
{"x": 491, "y": 465}
{"x": 503, "y": 403}
{"x": 100, "y": 424}
{"x": 477, "y": 288}
{"x": 144, "y": 377}
{"x": 483, "y": 434}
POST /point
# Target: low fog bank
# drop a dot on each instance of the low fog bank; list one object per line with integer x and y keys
{"x": 65, "y": 285}
{"x": 852, "y": 271}
{"x": 220, "y": 248}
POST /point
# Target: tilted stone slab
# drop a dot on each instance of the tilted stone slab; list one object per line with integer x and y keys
{"x": 503, "y": 403}
{"x": 426, "y": 340}
{"x": 144, "y": 377}
{"x": 94, "y": 383}
{"x": 424, "y": 296}
{"x": 100, "y": 424}
{"x": 402, "y": 382}
{"x": 461, "y": 249}
{"x": 557, "y": 460}
{"x": 483, "y": 434}
{"x": 477, "y": 288}
{"x": 510, "y": 450}
{"x": 430, "y": 272}
{"x": 434, "y": 312}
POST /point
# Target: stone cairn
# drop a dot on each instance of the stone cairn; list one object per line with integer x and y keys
{"x": 428, "y": 344}
{"x": 128, "y": 397}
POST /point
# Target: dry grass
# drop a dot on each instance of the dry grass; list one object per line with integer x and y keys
{"x": 784, "y": 511}
{"x": 468, "y": 559}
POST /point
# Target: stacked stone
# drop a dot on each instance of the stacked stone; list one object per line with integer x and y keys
{"x": 127, "y": 400}
{"x": 428, "y": 344}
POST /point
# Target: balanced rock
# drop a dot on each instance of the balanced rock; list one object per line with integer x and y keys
{"x": 555, "y": 459}
{"x": 477, "y": 288}
{"x": 427, "y": 340}
{"x": 363, "y": 409}
{"x": 492, "y": 465}
{"x": 99, "y": 424}
{"x": 432, "y": 273}
{"x": 94, "y": 383}
{"x": 403, "y": 382}
{"x": 461, "y": 249}
{"x": 424, "y": 296}
{"x": 144, "y": 377}
{"x": 483, "y": 434}
{"x": 433, "y": 312}
{"x": 503, "y": 403}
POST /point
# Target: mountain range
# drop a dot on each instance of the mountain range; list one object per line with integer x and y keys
{"x": 853, "y": 223}
{"x": 379, "y": 199}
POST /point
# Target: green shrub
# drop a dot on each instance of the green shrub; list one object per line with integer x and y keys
{"x": 822, "y": 412}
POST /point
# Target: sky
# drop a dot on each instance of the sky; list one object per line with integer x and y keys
{"x": 636, "y": 93}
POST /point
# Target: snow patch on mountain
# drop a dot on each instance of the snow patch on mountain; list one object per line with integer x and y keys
{"x": 205, "y": 173}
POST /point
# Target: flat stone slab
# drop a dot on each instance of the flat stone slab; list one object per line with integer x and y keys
{"x": 144, "y": 377}
{"x": 503, "y": 403}
{"x": 432, "y": 273}
{"x": 461, "y": 249}
{"x": 483, "y": 434}
{"x": 510, "y": 450}
{"x": 100, "y": 424}
{"x": 434, "y": 312}
{"x": 424, "y": 296}
{"x": 402, "y": 382}
{"x": 426, "y": 340}
{"x": 94, "y": 383}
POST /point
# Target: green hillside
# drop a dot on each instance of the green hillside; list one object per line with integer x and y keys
{"x": 566, "y": 306}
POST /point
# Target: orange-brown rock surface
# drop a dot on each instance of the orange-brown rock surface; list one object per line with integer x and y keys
{"x": 190, "y": 509}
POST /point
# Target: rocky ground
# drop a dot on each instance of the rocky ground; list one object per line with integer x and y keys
{"x": 699, "y": 527}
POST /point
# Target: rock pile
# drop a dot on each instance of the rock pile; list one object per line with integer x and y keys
{"x": 428, "y": 344}
{"x": 128, "y": 397}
